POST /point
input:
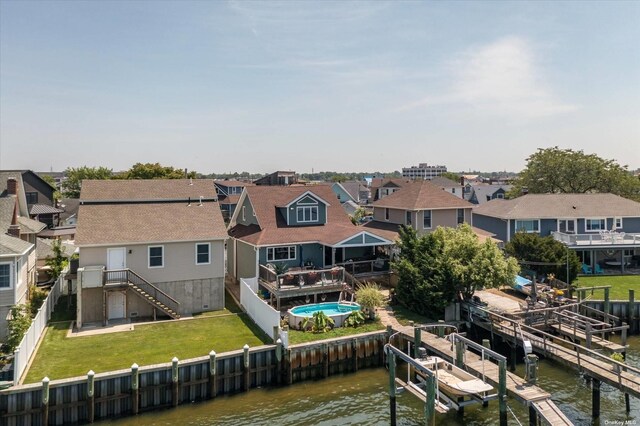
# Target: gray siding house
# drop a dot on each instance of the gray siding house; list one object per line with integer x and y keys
{"x": 603, "y": 229}
{"x": 148, "y": 248}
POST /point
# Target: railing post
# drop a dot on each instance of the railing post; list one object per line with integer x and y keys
{"x": 245, "y": 365}
{"x": 391, "y": 360}
{"x": 459, "y": 354}
{"x": 135, "y": 391}
{"x": 417, "y": 341}
{"x": 213, "y": 366}
{"x": 430, "y": 403}
{"x": 90, "y": 396}
{"x": 175, "y": 386}
{"x": 45, "y": 401}
{"x": 502, "y": 391}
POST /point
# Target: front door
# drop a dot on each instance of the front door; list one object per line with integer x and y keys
{"x": 116, "y": 301}
{"x": 116, "y": 258}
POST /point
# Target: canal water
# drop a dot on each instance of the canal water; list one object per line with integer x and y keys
{"x": 362, "y": 399}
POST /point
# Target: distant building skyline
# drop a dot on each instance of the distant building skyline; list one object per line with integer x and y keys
{"x": 265, "y": 86}
{"x": 423, "y": 171}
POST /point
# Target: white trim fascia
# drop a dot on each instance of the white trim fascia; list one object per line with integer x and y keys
{"x": 338, "y": 244}
{"x": 234, "y": 217}
{"x": 415, "y": 209}
{"x": 196, "y": 253}
{"x": 312, "y": 194}
{"x": 595, "y": 218}
{"x": 146, "y": 243}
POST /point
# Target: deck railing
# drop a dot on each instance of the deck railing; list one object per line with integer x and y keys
{"x": 366, "y": 267}
{"x": 604, "y": 238}
{"x": 301, "y": 278}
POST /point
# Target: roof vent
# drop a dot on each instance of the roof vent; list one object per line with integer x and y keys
{"x": 201, "y": 197}
{"x": 190, "y": 181}
{"x": 189, "y": 202}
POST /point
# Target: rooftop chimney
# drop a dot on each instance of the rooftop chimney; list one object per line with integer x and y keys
{"x": 14, "y": 228}
{"x": 12, "y": 186}
{"x": 462, "y": 180}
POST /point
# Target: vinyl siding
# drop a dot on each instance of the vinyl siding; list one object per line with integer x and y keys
{"x": 246, "y": 260}
{"x": 491, "y": 224}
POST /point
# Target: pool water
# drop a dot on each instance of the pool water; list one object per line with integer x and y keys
{"x": 329, "y": 308}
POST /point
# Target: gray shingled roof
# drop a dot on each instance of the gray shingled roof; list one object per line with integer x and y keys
{"x": 44, "y": 248}
{"x": 421, "y": 195}
{"x": 482, "y": 191}
{"x": 147, "y": 189}
{"x": 551, "y": 206}
{"x": 12, "y": 246}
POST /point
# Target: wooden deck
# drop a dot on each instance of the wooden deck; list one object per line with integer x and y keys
{"x": 596, "y": 342}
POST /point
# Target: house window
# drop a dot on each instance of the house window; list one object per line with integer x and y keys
{"x": 593, "y": 225}
{"x": 156, "y": 256}
{"x": 5, "y": 275}
{"x": 426, "y": 219}
{"x": 617, "y": 223}
{"x": 453, "y": 190}
{"x": 281, "y": 253}
{"x": 500, "y": 195}
{"x": 203, "y": 254}
{"x": 528, "y": 225}
{"x": 308, "y": 214}
{"x": 32, "y": 197}
{"x": 243, "y": 213}
{"x": 408, "y": 218}
{"x": 386, "y": 214}
{"x": 460, "y": 216}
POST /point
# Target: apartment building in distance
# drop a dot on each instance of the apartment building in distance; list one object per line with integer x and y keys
{"x": 423, "y": 171}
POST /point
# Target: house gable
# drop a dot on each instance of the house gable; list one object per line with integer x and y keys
{"x": 305, "y": 210}
{"x": 363, "y": 239}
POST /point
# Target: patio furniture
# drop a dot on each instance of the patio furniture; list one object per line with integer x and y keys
{"x": 613, "y": 263}
{"x": 586, "y": 269}
{"x": 599, "y": 269}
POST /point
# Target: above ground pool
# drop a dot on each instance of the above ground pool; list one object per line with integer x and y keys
{"x": 338, "y": 311}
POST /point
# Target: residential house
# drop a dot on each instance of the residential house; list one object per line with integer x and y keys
{"x": 381, "y": 187}
{"x": 603, "y": 229}
{"x": 39, "y": 197}
{"x": 228, "y": 195}
{"x": 149, "y": 247}
{"x": 279, "y": 178}
{"x": 358, "y": 191}
{"x": 481, "y": 193}
{"x": 304, "y": 228}
{"x": 17, "y": 246}
{"x": 348, "y": 203}
{"x": 448, "y": 185}
{"x": 420, "y": 205}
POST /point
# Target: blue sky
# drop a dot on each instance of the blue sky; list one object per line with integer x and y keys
{"x": 346, "y": 86}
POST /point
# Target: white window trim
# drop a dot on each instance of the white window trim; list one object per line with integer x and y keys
{"x": 430, "y": 219}
{"x": 616, "y": 219}
{"x": 587, "y": 219}
{"x": 272, "y": 259}
{"x": 208, "y": 252}
{"x": 19, "y": 272}
{"x": 407, "y": 214}
{"x": 527, "y": 220}
{"x": 11, "y": 279}
{"x": 149, "y": 257}
{"x": 575, "y": 224}
{"x": 310, "y": 208}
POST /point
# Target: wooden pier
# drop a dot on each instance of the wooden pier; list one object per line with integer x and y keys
{"x": 530, "y": 395}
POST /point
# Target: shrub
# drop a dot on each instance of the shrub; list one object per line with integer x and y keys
{"x": 17, "y": 326}
{"x": 369, "y": 297}
{"x": 354, "y": 319}
{"x": 319, "y": 323}
{"x": 37, "y": 298}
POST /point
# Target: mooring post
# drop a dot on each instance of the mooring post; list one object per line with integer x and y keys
{"x": 533, "y": 416}
{"x": 486, "y": 343}
{"x": 627, "y": 403}
{"x": 502, "y": 391}
{"x": 90, "y": 396}
{"x": 595, "y": 398}
{"x": 532, "y": 368}
{"x": 630, "y": 311}
{"x": 279, "y": 353}
{"x": 417, "y": 342}
{"x": 213, "y": 370}
{"x": 245, "y": 365}
{"x": 391, "y": 361}
{"x": 174, "y": 381}
{"x": 389, "y": 334}
{"x": 134, "y": 388}
{"x": 45, "y": 401}
{"x": 325, "y": 360}
{"x": 430, "y": 403}
{"x": 459, "y": 354}
{"x": 354, "y": 353}
{"x": 440, "y": 330}
{"x": 289, "y": 370}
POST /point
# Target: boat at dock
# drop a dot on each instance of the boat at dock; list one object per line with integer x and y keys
{"x": 455, "y": 381}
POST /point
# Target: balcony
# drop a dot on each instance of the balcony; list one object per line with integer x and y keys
{"x": 360, "y": 268}
{"x": 601, "y": 239}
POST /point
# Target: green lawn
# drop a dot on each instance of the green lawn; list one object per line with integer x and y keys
{"x": 404, "y": 315}
{"x": 60, "y": 357}
{"x": 296, "y": 336}
{"x": 620, "y": 285}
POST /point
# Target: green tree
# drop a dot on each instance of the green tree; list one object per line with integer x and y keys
{"x": 452, "y": 176}
{"x": 154, "y": 171}
{"x": 529, "y": 247}
{"x": 437, "y": 268}
{"x": 555, "y": 170}
{"x": 58, "y": 261}
{"x": 74, "y": 177}
{"x": 357, "y": 215}
{"x": 17, "y": 326}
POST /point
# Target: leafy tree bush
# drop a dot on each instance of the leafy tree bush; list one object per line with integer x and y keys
{"x": 319, "y": 323}
{"x": 58, "y": 262}
{"x": 17, "y": 326}
{"x": 37, "y": 298}
{"x": 369, "y": 297}
{"x": 74, "y": 177}
{"x": 449, "y": 263}
{"x": 529, "y": 247}
{"x": 154, "y": 171}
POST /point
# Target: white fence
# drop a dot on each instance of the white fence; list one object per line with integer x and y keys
{"x": 260, "y": 312}
{"x": 27, "y": 346}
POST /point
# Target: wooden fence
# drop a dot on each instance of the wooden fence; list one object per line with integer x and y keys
{"x": 126, "y": 392}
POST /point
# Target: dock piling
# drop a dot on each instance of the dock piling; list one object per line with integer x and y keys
{"x": 174, "y": 381}
{"x": 502, "y": 392}
{"x": 135, "y": 388}
{"x": 417, "y": 339}
{"x": 45, "y": 401}
{"x": 245, "y": 367}
{"x": 213, "y": 367}
{"x": 90, "y": 396}
{"x": 595, "y": 398}
{"x": 391, "y": 360}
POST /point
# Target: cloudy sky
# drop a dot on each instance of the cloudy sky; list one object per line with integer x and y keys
{"x": 232, "y": 86}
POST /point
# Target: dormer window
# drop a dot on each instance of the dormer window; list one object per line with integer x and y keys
{"x": 307, "y": 214}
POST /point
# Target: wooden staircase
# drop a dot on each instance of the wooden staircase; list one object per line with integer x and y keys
{"x": 145, "y": 290}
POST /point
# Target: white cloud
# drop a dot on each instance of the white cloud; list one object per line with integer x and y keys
{"x": 501, "y": 78}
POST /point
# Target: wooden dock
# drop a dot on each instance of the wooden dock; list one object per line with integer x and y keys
{"x": 579, "y": 336}
{"x": 517, "y": 388}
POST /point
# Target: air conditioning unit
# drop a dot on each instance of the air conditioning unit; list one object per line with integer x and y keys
{"x": 528, "y": 349}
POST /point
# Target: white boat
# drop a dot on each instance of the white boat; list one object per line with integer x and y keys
{"x": 454, "y": 380}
